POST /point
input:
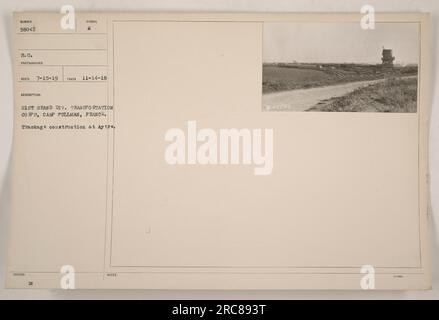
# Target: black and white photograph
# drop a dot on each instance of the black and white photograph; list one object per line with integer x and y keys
{"x": 340, "y": 67}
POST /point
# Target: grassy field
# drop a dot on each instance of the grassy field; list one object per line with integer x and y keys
{"x": 283, "y": 77}
{"x": 392, "y": 95}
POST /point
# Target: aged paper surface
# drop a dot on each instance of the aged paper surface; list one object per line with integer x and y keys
{"x": 316, "y": 196}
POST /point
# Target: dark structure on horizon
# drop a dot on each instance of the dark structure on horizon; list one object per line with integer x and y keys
{"x": 387, "y": 58}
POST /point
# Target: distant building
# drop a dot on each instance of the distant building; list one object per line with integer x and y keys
{"x": 387, "y": 58}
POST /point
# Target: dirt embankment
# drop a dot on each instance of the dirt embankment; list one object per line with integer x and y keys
{"x": 393, "y": 95}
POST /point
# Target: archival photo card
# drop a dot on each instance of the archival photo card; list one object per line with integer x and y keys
{"x": 143, "y": 159}
{"x": 340, "y": 67}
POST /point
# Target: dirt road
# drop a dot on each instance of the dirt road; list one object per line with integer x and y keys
{"x": 303, "y": 99}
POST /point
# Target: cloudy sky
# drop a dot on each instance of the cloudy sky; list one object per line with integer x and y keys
{"x": 339, "y": 42}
